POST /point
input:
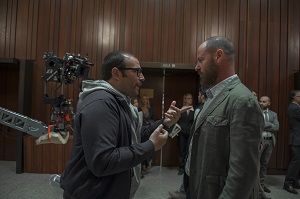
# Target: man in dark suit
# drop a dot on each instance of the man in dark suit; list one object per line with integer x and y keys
{"x": 224, "y": 148}
{"x": 186, "y": 120}
{"x": 292, "y": 176}
{"x": 181, "y": 193}
{"x": 268, "y": 138}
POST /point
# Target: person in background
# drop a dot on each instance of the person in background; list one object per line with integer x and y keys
{"x": 148, "y": 112}
{"x": 254, "y": 93}
{"x": 268, "y": 138}
{"x": 201, "y": 100}
{"x": 180, "y": 193}
{"x": 135, "y": 102}
{"x": 291, "y": 181}
{"x": 186, "y": 120}
{"x": 107, "y": 152}
{"x": 262, "y": 194}
{"x": 224, "y": 148}
{"x": 148, "y": 118}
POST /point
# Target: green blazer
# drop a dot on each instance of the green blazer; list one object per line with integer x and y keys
{"x": 225, "y": 150}
{"x": 272, "y": 125}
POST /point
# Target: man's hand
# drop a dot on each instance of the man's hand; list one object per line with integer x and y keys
{"x": 159, "y": 137}
{"x": 173, "y": 114}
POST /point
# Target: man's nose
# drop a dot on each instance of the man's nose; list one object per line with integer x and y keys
{"x": 197, "y": 67}
{"x": 142, "y": 78}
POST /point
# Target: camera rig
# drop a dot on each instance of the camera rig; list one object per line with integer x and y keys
{"x": 63, "y": 71}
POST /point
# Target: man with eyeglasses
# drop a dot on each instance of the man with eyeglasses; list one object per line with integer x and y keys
{"x": 292, "y": 176}
{"x": 106, "y": 154}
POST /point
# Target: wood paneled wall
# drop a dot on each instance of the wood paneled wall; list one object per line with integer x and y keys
{"x": 265, "y": 34}
{"x": 8, "y": 99}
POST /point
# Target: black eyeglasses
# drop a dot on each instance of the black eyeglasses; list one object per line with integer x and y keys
{"x": 138, "y": 70}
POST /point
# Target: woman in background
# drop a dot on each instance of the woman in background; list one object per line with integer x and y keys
{"x": 135, "y": 102}
{"x": 148, "y": 113}
{"x": 148, "y": 118}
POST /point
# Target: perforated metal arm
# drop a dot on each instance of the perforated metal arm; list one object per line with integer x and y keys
{"x": 22, "y": 123}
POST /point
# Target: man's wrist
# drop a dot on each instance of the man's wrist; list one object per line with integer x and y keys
{"x": 166, "y": 127}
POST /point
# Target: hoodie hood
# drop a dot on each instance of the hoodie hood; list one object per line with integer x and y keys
{"x": 89, "y": 86}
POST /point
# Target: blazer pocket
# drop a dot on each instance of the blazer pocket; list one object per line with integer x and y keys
{"x": 216, "y": 132}
{"x": 217, "y": 121}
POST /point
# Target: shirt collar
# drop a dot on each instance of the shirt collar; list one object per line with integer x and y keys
{"x": 191, "y": 109}
{"x": 215, "y": 90}
{"x": 266, "y": 111}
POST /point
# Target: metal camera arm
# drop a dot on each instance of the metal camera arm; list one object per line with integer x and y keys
{"x": 32, "y": 127}
{"x": 22, "y": 123}
{"x": 63, "y": 71}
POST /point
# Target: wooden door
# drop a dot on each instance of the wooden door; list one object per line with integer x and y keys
{"x": 177, "y": 83}
{"x": 169, "y": 85}
{"x": 9, "y": 81}
{"x": 154, "y": 83}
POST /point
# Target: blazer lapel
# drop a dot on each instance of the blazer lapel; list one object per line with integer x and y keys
{"x": 215, "y": 103}
{"x": 212, "y": 106}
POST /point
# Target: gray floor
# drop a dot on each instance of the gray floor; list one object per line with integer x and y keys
{"x": 156, "y": 184}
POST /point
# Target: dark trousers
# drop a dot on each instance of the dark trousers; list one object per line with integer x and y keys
{"x": 186, "y": 184}
{"x": 292, "y": 175}
{"x": 265, "y": 154}
{"x": 183, "y": 144}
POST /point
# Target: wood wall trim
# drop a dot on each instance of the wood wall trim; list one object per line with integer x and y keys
{"x": 265, "y": 34}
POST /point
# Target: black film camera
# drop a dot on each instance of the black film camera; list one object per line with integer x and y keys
{"x": 65, "y": 70}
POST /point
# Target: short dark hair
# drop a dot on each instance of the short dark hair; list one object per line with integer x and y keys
{"x": 111, "y": 60}
{"x": 202, "y": 92}
{"x": 252, "y": 90}
{"x": 219, "y": 42}
{"x": 293, "y": 93}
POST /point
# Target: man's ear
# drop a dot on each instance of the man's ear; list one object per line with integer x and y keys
{"x": 115, "y": 73}
{"x": 219, "y": 55}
